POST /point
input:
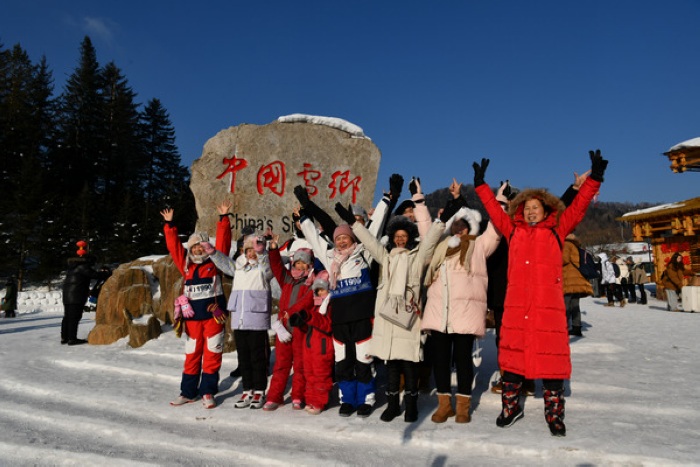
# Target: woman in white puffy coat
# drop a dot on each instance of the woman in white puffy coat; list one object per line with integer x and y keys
{"x": 402, "y": 264}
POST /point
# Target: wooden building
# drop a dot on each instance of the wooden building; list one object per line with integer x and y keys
{"x": 670, "y": 228}
{"x": 685, "y": 156}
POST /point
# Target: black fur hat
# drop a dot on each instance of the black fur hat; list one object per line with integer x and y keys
{"x": 402, "y": 223}
{"x": 403, "y": 206}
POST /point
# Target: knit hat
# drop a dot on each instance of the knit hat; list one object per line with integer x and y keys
{"x": 197, "y": 237}
{"x": 403, "y": 206}
{"x": 304, "y": 255}
{"x": 321, "y": 281}
{"x": 344, "y": 229}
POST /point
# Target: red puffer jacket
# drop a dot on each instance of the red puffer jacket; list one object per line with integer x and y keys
{"x": 534, "y": 338}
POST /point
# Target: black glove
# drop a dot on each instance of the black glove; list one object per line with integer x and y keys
{"x": 395, "y": 186}
{"x": 451, "y": 208}
{"x": 298, "y": 319}
{"x": 480, "y": 171}
{"x": 345, "y": 214}
{"x": 598, "y": 165}
{"x": 302, "y": 195}
{"x": 413, "y": 186}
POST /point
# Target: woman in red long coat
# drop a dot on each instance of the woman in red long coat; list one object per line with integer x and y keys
{"x": 534, "y": 339}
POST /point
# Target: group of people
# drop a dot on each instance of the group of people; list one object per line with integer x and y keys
{"x": 620, "y": 279}
{"x": 409, "y": 291}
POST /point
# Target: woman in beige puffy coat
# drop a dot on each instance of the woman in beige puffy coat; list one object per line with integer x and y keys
{"x": 455, "y": 312}
{"x": 402, "y": 264}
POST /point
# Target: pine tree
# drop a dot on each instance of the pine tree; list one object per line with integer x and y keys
{"x": 25, "y": 123}
{"x": 166, "y": 180}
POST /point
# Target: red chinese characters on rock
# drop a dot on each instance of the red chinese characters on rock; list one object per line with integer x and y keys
{"x": 341, "y": 182}
{"x": 233, "y": 165}
{"x": 310, "y": 176}
{"x": 273, "y": 177}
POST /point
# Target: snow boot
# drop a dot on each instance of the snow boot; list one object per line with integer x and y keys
{"x": 393, "y": 408}
{"x": 576, "y": 331}
{"x": 554, "y": 411}
{"x": 444, "y": 410}
{"x": 462, "y": 408}
{"x": 511, "y": 411}
{"x": 410, "y": 415}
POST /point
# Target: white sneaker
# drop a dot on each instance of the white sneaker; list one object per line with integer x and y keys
{"x": 181, "y": 400}
{"x": 208, "y": 401}
{"x": 244, "y": 401}
{"x": 258, "y": 400}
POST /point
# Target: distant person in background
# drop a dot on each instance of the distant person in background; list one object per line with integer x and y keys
{"x": 672, "y": 280}
{"x": 575, "y": 285}
{"x": 608, "y": 281}
{"x": 9, "y": 302}
{"x": 631, "y": 294}
{"x": 624, "y": 279}
{"x": 640, "y": 278}
{"x": 76, "y": 289}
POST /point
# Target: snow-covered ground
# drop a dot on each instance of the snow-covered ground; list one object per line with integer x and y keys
{"x": 631, "y": 402}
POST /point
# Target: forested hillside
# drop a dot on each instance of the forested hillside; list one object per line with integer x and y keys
{"x": 90, "y": 162}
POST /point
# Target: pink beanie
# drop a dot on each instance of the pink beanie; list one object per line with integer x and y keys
{"x": 344, "y": 229}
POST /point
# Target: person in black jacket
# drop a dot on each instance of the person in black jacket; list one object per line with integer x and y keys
{"x": 76, "y": 289}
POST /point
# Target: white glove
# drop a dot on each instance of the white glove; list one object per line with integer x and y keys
{"x": 282, "y": 334}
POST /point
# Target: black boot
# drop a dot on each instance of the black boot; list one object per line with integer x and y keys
{"x": 411, "y": 402}
{"x": 393, "y": 408}
{"x": 576, "y": 331}
{"x": 393, "y": 385}
{"x": 510, "y": 400}
{"x": 554, "y": 411}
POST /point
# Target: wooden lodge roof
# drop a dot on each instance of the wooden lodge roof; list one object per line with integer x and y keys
{"x": 688, "y": 207}
{"x": 685, "y": 156}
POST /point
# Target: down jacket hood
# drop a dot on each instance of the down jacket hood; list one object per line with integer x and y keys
{"x": 552, "y": 204}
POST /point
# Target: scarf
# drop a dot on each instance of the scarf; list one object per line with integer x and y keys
{"x": 339, "y": 257}
{"x": 448, "y": 248}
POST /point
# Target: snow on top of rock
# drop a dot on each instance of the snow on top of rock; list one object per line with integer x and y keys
{"x": 333, "y": 122}
{"x": 691, "y": 143}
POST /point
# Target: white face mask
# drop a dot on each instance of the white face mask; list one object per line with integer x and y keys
{"x": 198, "y": 259}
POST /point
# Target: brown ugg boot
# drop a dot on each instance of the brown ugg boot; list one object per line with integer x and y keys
{"x": 463, "y": 406}
{"x": 444, "y": 410}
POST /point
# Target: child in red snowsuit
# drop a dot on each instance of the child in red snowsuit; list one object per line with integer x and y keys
{"x": 202, "y": 314}
{"x": 318, "y": 346}
{"x": 296, "y": 296}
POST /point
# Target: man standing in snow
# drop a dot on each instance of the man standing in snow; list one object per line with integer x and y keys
{"x": 76, "y": 289}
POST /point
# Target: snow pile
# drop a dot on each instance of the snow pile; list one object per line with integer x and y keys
{"x": 333, "y": 122}
{"x": 40, "y": 300}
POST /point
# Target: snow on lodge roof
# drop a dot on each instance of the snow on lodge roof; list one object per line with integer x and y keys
{"x": 685, "y": 156}
{"x": 691, "y": 143}
{"x": 333, "y": 122}
{"x": 664, "y": 210}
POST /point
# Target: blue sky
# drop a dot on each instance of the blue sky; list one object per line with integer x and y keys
{"x": 436, "y": 84}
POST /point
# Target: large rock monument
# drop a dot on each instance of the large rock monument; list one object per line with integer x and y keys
{"x": 257, "y": 167}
